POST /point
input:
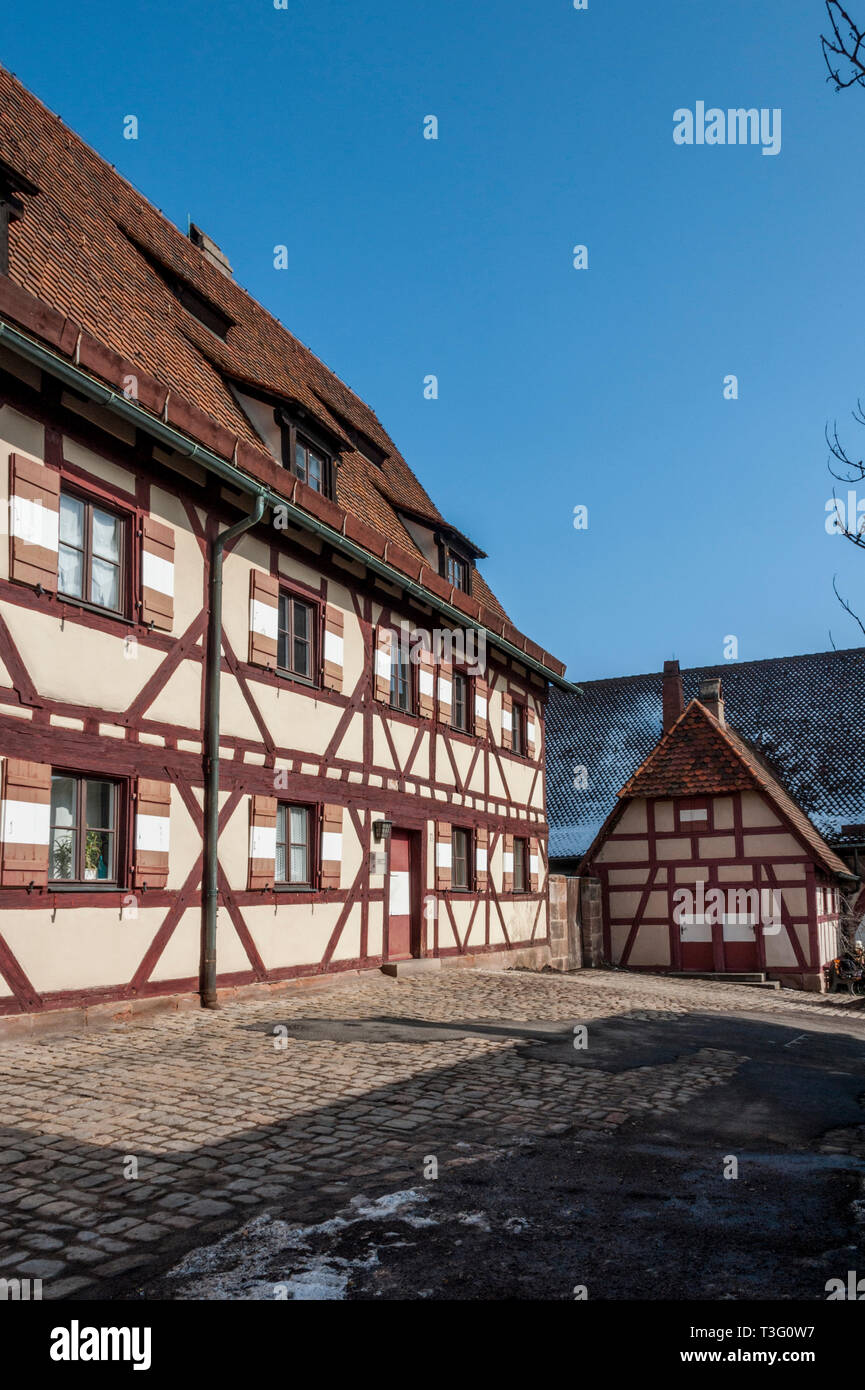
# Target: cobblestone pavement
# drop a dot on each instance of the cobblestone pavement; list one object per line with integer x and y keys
{"x": 124, "y": 1147}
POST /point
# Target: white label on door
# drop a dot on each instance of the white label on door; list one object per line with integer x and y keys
{"x": 695, "y": 928}
{"x": 400, "y": 895}
{"x": 739, "y": 926}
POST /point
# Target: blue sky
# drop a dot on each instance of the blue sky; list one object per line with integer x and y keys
{"x": 558, "y": 387}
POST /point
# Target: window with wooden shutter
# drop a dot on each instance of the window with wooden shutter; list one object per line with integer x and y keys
{"x": 508, "y": 865}
{"x": 462, "y": 867}
{"x": 521, "y": 865}
{"x": 34, "y": 522}
{"x": 262, "y": 843}
{"x": 263, "y": 619}
{"x": 443, "y": 856}
{"x": 157, "y": 574}
{"x": 296, "y": 636}
{"x": 331, "y": 846}
{"x": 93, "y": 554}
{"x": 518, "y": 728}
{"x": 152, "y": 833}
{"x": 384, "y": 640}
{"x": 26, "y": 820}
{"x": 334, "y": 653}
{"x": 295, "y": 830}
{"x": 85, "y": 829}
{"x": 481, "y": 708}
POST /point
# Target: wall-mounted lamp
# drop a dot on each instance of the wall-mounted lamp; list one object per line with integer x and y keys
{"x": 381, "y": 830}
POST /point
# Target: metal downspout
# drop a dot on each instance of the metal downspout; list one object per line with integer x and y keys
{"x": 211, "y": 793}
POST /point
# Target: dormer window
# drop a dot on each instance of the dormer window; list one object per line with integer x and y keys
{"x": 305, "y": 458}
{"x": 193, "y": 301}
{"x": 457, "y": 572}
{"x": 11, "y": 207}
{"x": 310, "y": 464}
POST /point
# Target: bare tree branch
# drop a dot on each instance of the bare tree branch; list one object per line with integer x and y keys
{"x": 843, "y": 48}
{"x": 845, "y": 605}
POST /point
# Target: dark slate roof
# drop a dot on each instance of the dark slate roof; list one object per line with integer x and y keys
{"x": 803, "y": 714}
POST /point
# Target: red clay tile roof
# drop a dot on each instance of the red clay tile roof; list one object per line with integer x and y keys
{"x": 699, "y": 756}
{"x": 90, "y": 247}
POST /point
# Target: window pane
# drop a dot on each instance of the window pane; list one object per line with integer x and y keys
{"x": 301, "y": 620}
{"x": 99, "y": 804}
{"x": 105, "y": 584}
{"x": 72, "y": 521}
{"x": 301, "y": 657}
{"x": 316, "y": 471}
{"x": 298, "y": 864}
{"x": 460, "y": 859}
{"x": 459, "y": 707}
{"x": 519, "y": 866}
{"x": 63, "y": 800}
{"x": 62, "y": 854}
{"x": 517, "y": 716}
{"x": 70, "y": 572}
{"x": 299, "y": 820}
{"x": 280, "y": 844}
{"x": 300, "y": 461}
{"x": 106, "y": 535}
{"x": 98, "y": 854}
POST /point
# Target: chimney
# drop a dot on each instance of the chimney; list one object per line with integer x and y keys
{"x": 673, "y": 699}
{"x": 210, "y": 249}
{"x": 712, "y": 698}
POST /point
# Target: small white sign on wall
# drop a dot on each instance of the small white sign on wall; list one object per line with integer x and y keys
{"x": 378, "y": 862}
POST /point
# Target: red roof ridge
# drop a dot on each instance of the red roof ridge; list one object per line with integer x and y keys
{"x": 797, "y": 820}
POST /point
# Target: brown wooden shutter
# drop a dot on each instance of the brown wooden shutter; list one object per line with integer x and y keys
{"x": 508, "y": 865}
{"x": 26, "y": 823}
{"x": 263, "y": 618}
{"x": 34, "y": 496}
{"x": 482, "y": 839}
{"x": 481, "y": 711}
{"x": 444, "y": 851}
{"x": 534, "y": 866}
{"x": 157, "y": 574}
{"x": 507, "y": 721}
{"x": 331, "y": 846}
{"x": 425, "y": 683}
{"x": 382, "y": 654}
{"x": 262, "y": 843}
{"x": 531, "y": 733}
{"x": 152, "y": 833}
{"x": 445, "y": 692}
{"x": 334, "y": 658}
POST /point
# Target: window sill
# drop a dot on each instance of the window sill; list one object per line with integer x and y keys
{"x": 81, "y": 603}
{"x": 289, "y": 678}
{"x": 86, "y": 886}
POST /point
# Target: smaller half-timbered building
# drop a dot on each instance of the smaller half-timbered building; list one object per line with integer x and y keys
{"x": 708, "y": 865}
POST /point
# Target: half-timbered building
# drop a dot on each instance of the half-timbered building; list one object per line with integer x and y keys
{"x": 707, "y": 864}
{"x": 260, "y": 714}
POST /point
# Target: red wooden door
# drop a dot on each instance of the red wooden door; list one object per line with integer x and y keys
{"x": 399, "y": 906}
{"x": 696, "y": 938}
{"x": 740, "y": 943}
